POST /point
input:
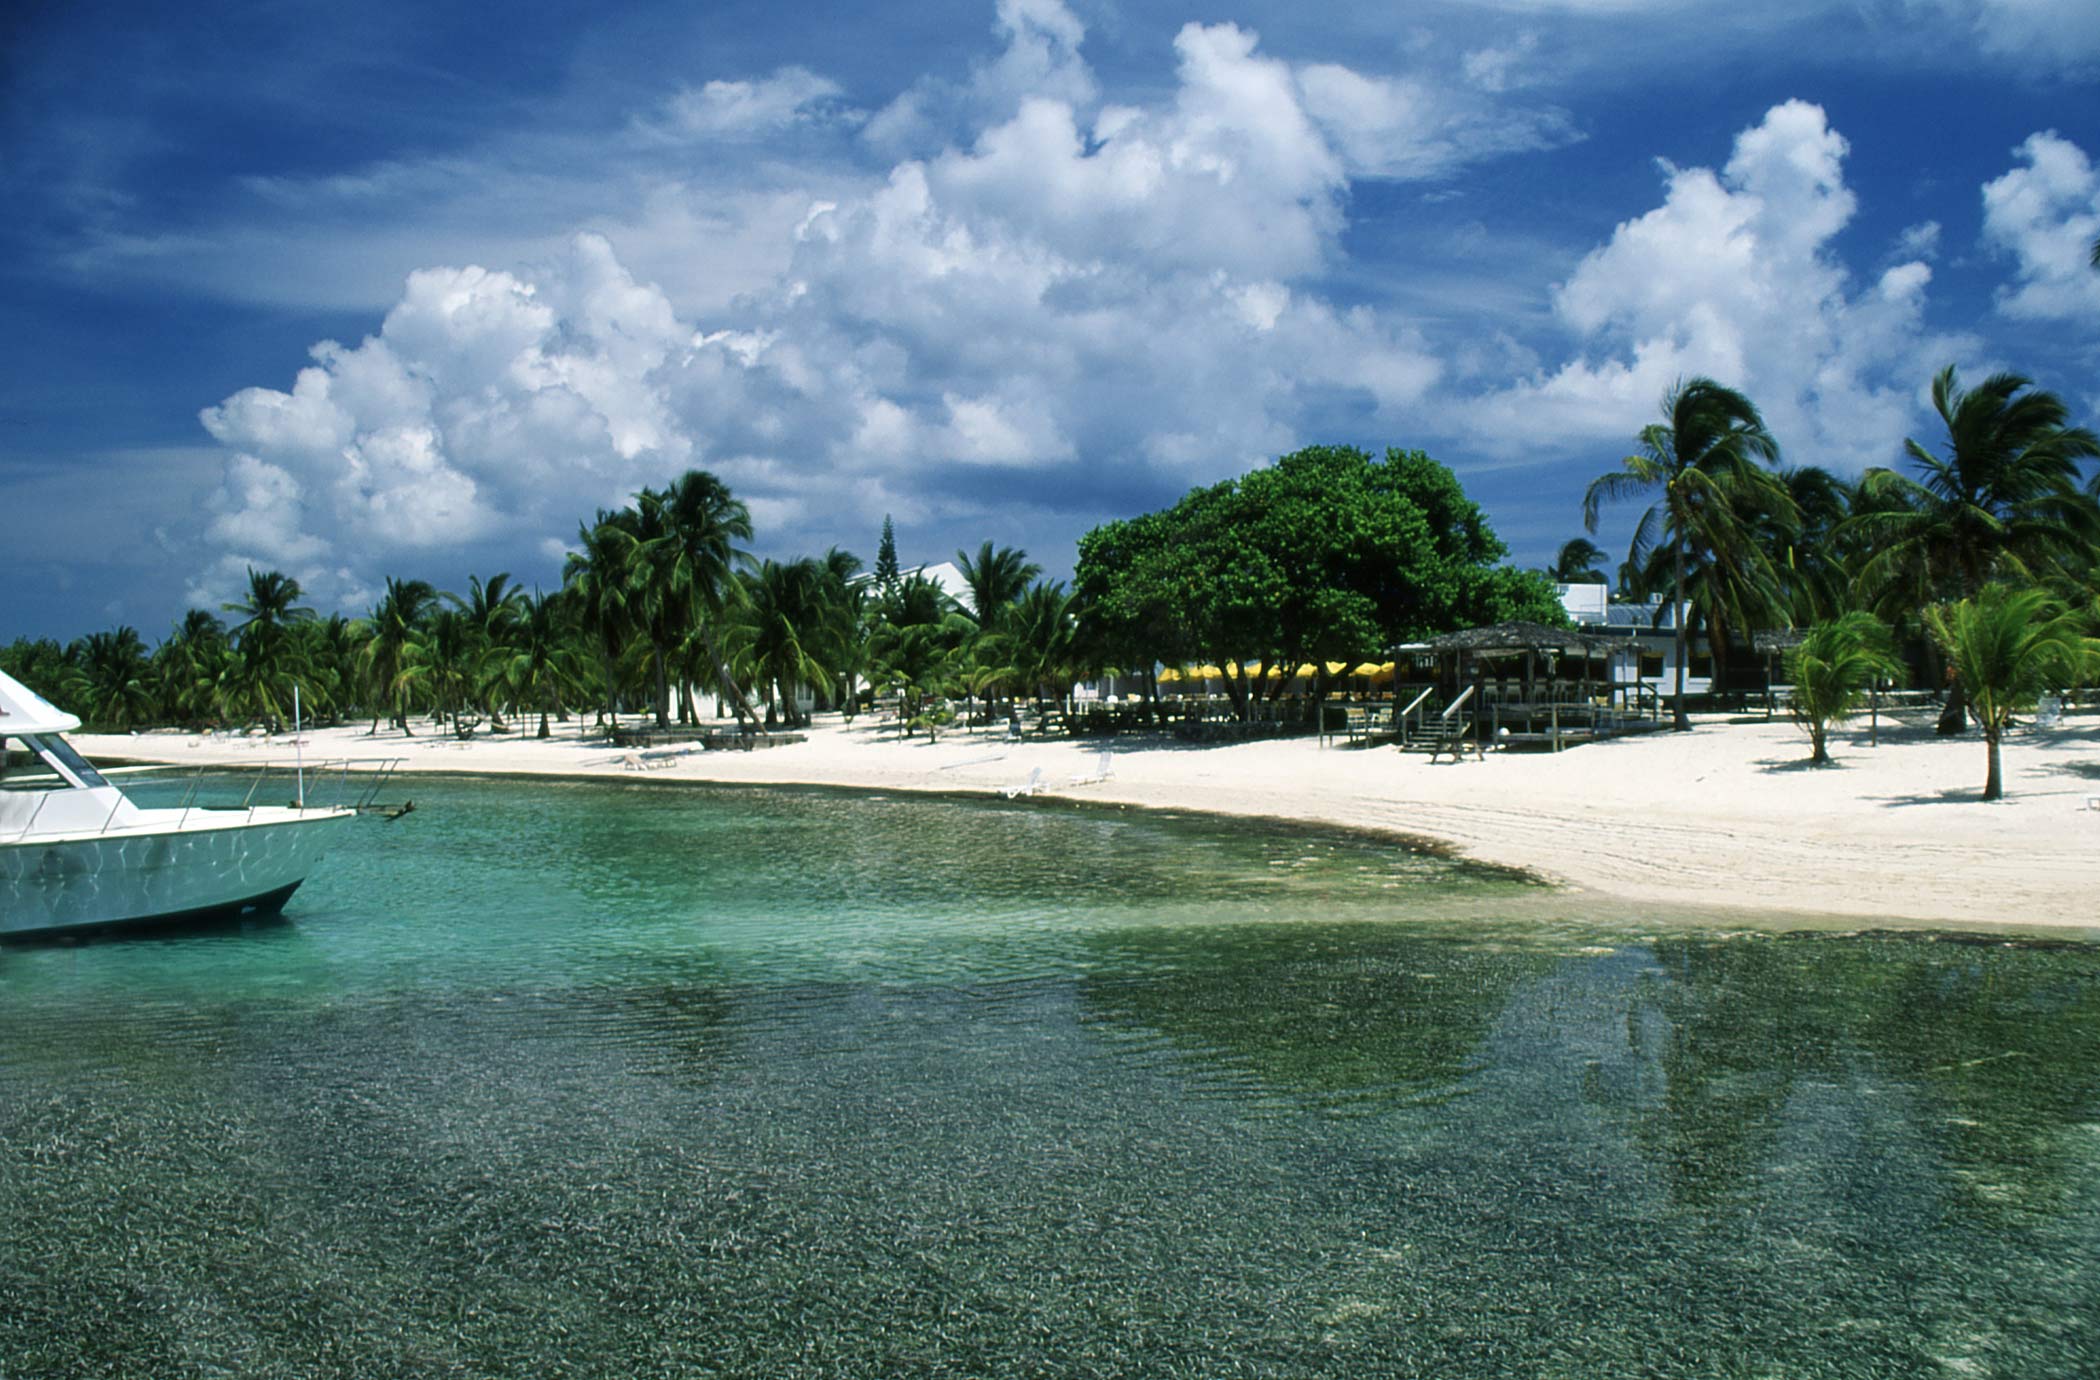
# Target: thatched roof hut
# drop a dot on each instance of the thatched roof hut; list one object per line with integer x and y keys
{"x": 1509, "y": 639}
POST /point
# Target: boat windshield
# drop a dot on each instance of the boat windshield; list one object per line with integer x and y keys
{"x": 66, "y": 762}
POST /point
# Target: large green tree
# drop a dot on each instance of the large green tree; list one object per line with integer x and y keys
{"x": 1328, "y": 555}
{"x": 1705, "y": 464}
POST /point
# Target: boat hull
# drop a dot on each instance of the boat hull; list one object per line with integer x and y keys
{"x": 143, "y": 876}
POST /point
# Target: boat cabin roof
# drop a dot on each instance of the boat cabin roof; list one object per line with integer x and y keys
{"x": 22, "y": 711}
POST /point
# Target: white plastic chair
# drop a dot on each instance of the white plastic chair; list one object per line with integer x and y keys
{"x": 1104, "y": 768}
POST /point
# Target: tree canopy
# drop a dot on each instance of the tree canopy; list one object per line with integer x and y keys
{"x": 1330, "y": 554}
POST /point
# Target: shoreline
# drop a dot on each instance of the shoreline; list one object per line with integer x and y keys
{"x": 1725, "y": 820}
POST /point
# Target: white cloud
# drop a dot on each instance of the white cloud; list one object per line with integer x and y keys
{"x": 2053, "y": 32}
{"x": 1073, "y": 300}
{"x": 1735, "y": 276}
{"x": 1404, "y": 127}
{"x": 1040, "y": 59}
{"x": 485, "y": 404}
{"x": 743, "y": 109}
{"x": 1920, "y": 241}
{"x": 2046, "y": 216}
{"x": 1498, "y": 69}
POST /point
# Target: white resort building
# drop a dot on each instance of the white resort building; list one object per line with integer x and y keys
{"x": 1650, "y": 631}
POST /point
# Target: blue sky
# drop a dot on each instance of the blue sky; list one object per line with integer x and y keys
{"x": 412, "y": 289}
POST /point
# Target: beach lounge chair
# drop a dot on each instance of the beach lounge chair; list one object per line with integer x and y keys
{"x": 1104, "y": 768}
{"x": 1032, "y": 786}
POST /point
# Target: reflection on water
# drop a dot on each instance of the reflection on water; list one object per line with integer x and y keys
{"x": 633, "y": 1080}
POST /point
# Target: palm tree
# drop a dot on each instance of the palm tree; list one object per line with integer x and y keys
{"x": 396, "y": 621}
{"x": 271, "y": 604}
{"x": 689, "y": 531}
{"x": 1043, "y": 638}
{"x": 116, "y": 679}
{"x": 537, "y": 664}
{"x": 785, "y": 634}
{"x": 600, "y": 577}
{"x": 2001, "y": 501}
{"x": 917, "y": 647}
{"x": 493, "y": 609}
{"x": 846, "y": 617}
{"x": 187, "y": 666}
{"x": 330, "y": 649}
{"x": 1832, "y": 667}
{"x": 2007, "y": 646}
{"x": 1812, "y": 559}
{"x": 1578, "y": 562}
{"x": 1705, "y": 458}
{"x": 996, "y": 578}
{"x": 444, "y": 660}
{"x": 258, "y": 683}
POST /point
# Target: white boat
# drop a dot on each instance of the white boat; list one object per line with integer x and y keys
{"x": 77, "y": 854}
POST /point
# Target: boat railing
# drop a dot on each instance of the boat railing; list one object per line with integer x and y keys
{"x": 352, "y": 783}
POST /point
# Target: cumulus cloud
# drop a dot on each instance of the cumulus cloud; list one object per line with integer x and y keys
{"x": 2045, "y": 217}
{"x": 1079, "y": 298}
{"x": 482, "y": 406}
{"x": 1735, "y": 276}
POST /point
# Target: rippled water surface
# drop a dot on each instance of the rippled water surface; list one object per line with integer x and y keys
{"x": 605, "y": 1080}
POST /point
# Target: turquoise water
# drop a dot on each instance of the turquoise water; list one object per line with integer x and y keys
{"x": 610, "y": 1080}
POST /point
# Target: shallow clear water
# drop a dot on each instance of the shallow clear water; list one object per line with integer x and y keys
{"x": 609, "y": 1080}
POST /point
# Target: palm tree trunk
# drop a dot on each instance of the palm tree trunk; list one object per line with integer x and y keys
{"x": 1680, "y": 721}
{"x": 1993, "y": 781}
{"x": 1954, "y": 718}
{"x": 663, "y": 689}
{"x": 728, "y": 683}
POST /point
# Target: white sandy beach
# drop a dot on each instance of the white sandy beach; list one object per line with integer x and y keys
{"x": 1726, "y": 818}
